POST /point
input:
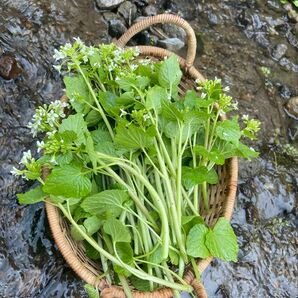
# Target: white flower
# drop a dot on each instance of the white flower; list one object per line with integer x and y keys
{"x": 78, "y": 41}
{"x": 203, "y": 95}
{"x": 85, "y": 58}
{"x": 58, "y": 55}
{"x": 226, "y": 89}
{"x": 16, "y": 172}
{"x": 27, "y": 156}
{"x": 245, "y": 117}
{"x": 57, "y": 67}
{"x": 146, "y": 117}
{"x": 40, "y": 145}
{"x": 123, "y": 113}
{"x": 67, "y": 46}
{"x": 251, "y": 148}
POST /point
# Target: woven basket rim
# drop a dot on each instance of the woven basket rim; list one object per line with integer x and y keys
{"x": 85, "y": 271}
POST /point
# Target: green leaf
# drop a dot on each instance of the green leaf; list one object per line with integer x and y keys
{"x": 77, "y": 124}
{"x": 222, "y": 241}
{"x": 194, "y": 176}
{"x": 75, "y": 234}
{"x": 92, "y": 118}
{"x": 117, "y": 230}
{"x": 229, "y": 130}
{"x": 170, "y": 111}
{"x": 92, "y": 292}
{"x": 126, "y": 83}
{"x": 246, "y": 152}
{"x": 125, "y": 99}
{"x": 154, "y": 98}
{"x": 100, "y": 135}
{"x": 91, "y": 252}
{"x": 108, "y": 101}
{"x": 156, "y": 256}
{"x": 132, "y": 137}
{"x": 195, "y": 242}
{"x": 64, "y": 159}
{"x": 32, "y": 196}
{"x": 188, "y": 221}
{"x": 174, "y": 257}
{"x": 169, "y": 74}
{"x": 67, "y": 181}
{"x": 78, "y": 92}
{"x": 125, "y": 253}
{"x": 142, "y": 82}
{"x": 92, "y": 224}
{"x": 108, "y": 201}
{"x": 140, "y": 284}
{"x": 190, "y": 99}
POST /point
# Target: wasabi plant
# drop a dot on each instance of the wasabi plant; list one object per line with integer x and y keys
{"x": 130, "y": 160}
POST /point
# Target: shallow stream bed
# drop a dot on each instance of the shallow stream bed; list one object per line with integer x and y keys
{"x": 252, "y": 46}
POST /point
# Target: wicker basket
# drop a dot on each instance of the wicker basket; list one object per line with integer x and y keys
{"x": 221, "y": 196}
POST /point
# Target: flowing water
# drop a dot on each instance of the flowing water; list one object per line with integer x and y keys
{"x": 236, "y": 39}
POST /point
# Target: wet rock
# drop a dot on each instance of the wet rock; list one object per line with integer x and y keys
{"x": 212, "y": 18}
{"x": 128, "y": 11}
{"x": 150, "y": 10}
{"x": 108, "y": 4}
{"x": 243, "y": 19}
{"x": 116, "y": 28}
{"x": 251, "y": 213}
{"x": 187, "y": 8}
{"x": 279, "y": 51}
{"x": 9, "y": 67}
{"x": 171, "y": 44}
{"x": 174, "y": 31}
{"x": 143, "y": 38}
{"x": 292, "y": 106}
{"x": 109, "y": 16}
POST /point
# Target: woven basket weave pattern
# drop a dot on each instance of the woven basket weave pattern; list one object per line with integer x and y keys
{"x": 221, "y": 196}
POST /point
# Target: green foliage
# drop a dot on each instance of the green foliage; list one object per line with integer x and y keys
{"x": 129, "y": 160}
{"x": 32, "y": 196}
{"x": 68, "y": 181}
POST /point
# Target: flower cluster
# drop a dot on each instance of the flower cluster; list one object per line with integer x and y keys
{"x": 252, "y": 127}
{"x": 46, "y": 118}
{"x": 31, "y": 169}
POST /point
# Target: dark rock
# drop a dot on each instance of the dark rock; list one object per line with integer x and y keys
{"x": 108, "y": 15}
{"x": 143, "y": 38}
{"x": 292, "y": 107}
{"x": 174, "y": 31}
{"x": 188, "y": 9}
{"x": 251, "y": 213}
{"x": 142, "y": 3}
{"x": 116, "y": 28}
{"x": 171, "y": 44}
{"x": 128, "y": 11}
{"x": 9, "y": 67}
{"x": 150, "y": 10}
{"x": 243, "y": 19}
{"x": 108, "y": 4}
{"x": 279, "y": 51}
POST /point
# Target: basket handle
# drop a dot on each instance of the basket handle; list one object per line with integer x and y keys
{"x": 164, "y": 18}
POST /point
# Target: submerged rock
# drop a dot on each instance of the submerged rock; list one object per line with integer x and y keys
{"x": 108, "y": 4}
{"x": 9, "y": 67}
{"x": 292, "y": 106}
{"x": 171, "y": 44}
{"x": 279, "y": 51}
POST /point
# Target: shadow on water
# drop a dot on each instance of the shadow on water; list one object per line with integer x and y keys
{"x": 236, "y": 39}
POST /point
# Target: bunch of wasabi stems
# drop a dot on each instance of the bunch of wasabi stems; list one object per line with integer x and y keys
{"x": 131, "y": 161}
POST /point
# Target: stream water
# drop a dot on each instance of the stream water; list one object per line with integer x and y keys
{"x": 236, "y": 39}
